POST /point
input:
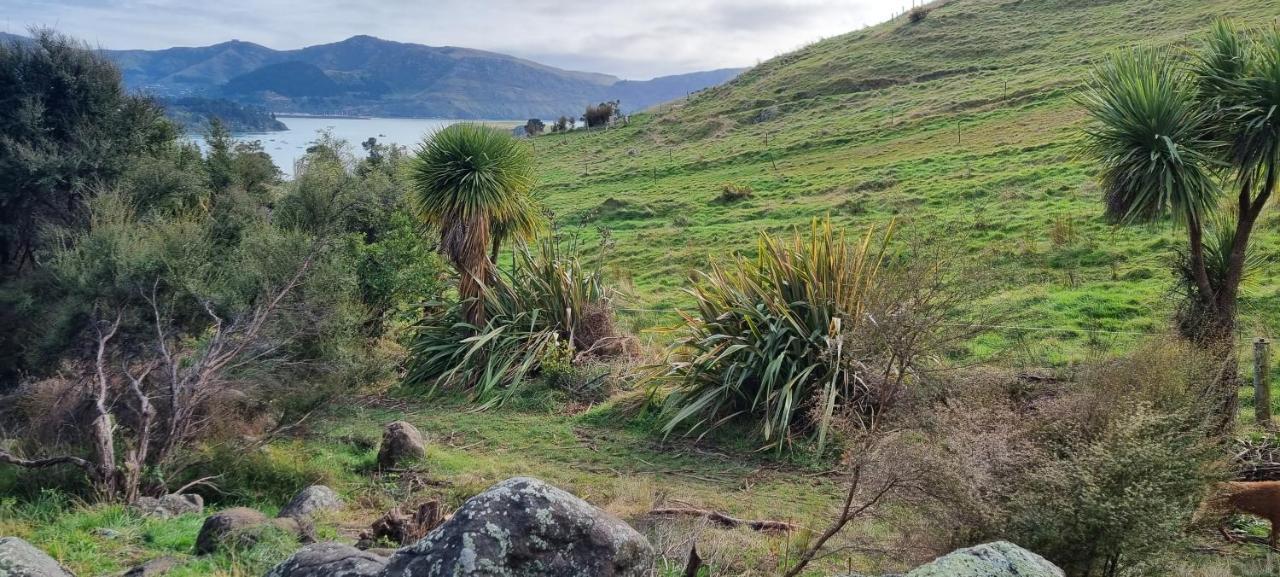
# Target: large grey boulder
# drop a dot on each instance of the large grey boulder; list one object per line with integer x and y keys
{"x": 524, "y": 527}
{"x": 401, "y": 441}
{"x": 329, "y": 560}
{"x": 170, "y": 505}
{"x": 222, "y": 526}
{"x": 243, "y": 527}
{"x": 311, "y": 500}
{"x": 19, "y": 558}
{"x": 998, "y": 559}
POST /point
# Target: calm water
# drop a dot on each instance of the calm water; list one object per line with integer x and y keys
{"x": 286, "y": 147}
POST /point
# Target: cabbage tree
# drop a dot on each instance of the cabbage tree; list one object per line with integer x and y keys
{"x": 1193, "y": 140}
{"x": 471, "y": 181}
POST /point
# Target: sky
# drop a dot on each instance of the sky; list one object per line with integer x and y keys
{"x": 635, "y": 39}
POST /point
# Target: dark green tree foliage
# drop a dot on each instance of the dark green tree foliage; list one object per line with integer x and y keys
{"x": 534, "y": 127}
{"x": 601, "y": 114}
{"x": 67, "y": 128}
{"x": 397, "y": 272}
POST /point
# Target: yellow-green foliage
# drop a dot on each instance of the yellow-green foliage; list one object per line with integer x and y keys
{"x": 762, "y": 342}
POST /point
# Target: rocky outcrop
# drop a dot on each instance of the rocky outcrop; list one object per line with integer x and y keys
{"x": 310, "y": 501}
{"x": 998, "y": 559}
{"x": 170, "y": 505}
{"x": 525, "y": 527}
{"x": 401, "y": 441}
{"x": 330, "y": 560}
{"x": 19, "y": 558}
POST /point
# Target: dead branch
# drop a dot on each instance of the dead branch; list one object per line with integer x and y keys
{"x": 724, "y": 520}
{"x": 10, "y": 458}
{"x": 201, "y": 481}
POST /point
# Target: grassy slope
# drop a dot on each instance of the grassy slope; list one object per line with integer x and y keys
{"x": 864, "y": 127}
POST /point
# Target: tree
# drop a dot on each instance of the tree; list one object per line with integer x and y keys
{"x": 67, "y": 129}
{"x": 469, "y": 179}
{"x": 534, "y": 127}
{"x": 1172, "y": 136}
{"x": 599, "y": 115}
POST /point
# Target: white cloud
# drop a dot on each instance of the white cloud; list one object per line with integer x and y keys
{"x": 630, "y": 38}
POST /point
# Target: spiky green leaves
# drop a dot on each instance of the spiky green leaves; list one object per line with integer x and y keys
{"x": 468, "y": 171}
{"x": 1253, "y": 108}
{"x": 764, "y": 341}
{"x": 1151, "y": 138}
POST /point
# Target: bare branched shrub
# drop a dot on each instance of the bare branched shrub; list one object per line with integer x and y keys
{"x": 1101, "y": 472}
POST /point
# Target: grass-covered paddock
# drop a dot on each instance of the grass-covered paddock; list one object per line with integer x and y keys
{"x": 962, "y": 128}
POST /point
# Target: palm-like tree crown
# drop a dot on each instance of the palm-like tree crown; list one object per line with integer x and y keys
{"x": 1254, "y": 107}
{"x": 468, "y": 171}
{"x": 1151, "y": 138}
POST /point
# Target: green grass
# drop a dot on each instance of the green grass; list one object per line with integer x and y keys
{"x": 624, "y": 469}
{"x": 864, "y": 127}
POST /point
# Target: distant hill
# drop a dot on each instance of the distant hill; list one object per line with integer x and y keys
{"x": 363, "y": 75}
{"x": 195, "y": 113}
{"x": 289, "y": 79}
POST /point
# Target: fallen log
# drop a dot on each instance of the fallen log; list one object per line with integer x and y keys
{"x": 762, "y": 525}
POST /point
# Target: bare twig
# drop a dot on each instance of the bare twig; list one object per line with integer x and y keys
{"x": 848, "y": 512}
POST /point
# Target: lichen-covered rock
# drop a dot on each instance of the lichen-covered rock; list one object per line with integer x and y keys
{"x": 401, "y": 441}
{"x": 527, "y": 528}
{"x": 998, "y": 559}
{"x": 19, "y": 558}
{"x": 311, "y": 500}
{"x": 220, "y": 527}
{"x": 170, "y": 505}
{"x": 329, "y": 560}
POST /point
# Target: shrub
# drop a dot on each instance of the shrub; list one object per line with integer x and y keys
{"x": 1101, "y": 472}
{"x": 549, "y": 299}
{"x": 1118, "y": 502}
{"x": 600, "y": 114}
{"x": 731, "y": 192}
{"x": 917, "y": 14}
{"x": 762, "y": 340}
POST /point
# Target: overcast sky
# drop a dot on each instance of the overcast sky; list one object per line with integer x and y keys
{"x": 635, "y": 39}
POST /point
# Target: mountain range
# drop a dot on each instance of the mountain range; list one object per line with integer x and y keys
{"x": 364, "y": 75}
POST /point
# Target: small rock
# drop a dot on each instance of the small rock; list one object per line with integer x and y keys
{"x": 106, "y": 533}
{"x": 157, "y": 566}
{"x": 19, "y": 558}
{"x": 311, "y": 500}
{"x": 219, "y": 527}
{"x": 170, "y": 505}
{"x": 401, "y": 441}
{"x": 329, "y": 560}
{"x": 997, "y": 559}
{"x": 525, "y": 527}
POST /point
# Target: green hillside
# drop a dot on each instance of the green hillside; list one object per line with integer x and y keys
{"x": 960, "y": 127}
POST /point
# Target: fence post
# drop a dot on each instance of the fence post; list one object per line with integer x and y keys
{"x": 1262, "y": 381}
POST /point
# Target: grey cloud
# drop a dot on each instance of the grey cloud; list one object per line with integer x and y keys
{"x": 629, "y": 38}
